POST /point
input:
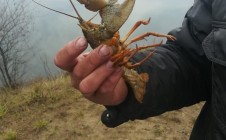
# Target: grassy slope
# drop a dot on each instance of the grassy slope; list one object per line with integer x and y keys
{"x": 52, "y": 110}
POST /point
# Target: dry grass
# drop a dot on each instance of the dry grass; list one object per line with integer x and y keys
{"x": 53, "y": 110}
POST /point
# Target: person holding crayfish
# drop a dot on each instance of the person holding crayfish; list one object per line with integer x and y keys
{"x": 183, "y": 72}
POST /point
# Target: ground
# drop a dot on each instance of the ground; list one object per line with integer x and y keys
{"x": 53, "y": 110}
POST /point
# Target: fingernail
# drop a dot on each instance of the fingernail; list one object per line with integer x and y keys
{"x": 80, "y": 43}
{"x": 104, "y": 51}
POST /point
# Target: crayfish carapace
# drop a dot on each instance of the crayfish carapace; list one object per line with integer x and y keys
{"x": 113, "y": 16}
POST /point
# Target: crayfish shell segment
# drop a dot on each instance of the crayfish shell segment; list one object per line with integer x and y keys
{"x": 114, "y": 15}
{"x": 93, "y": 33}
{"x": 137, "y": 82}
{"x": 94, "y": 5}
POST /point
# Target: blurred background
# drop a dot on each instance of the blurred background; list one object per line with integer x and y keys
{"x": 45, "y": 32}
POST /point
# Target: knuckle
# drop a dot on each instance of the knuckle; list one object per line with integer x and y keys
{"x": 77, "y": 74}
{"x": 75, "y": 47}
{"x": 94, "y": 60}
{"x": 68, "y": 66}
{"x": 99, "y": 55}
{"x": 64, "y": 57}
{"x": 69, "y": 51}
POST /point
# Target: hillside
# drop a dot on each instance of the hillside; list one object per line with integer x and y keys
{"x": 52, "y": 110}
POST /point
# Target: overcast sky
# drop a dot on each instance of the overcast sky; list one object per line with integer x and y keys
{"x": 52, "y": 30}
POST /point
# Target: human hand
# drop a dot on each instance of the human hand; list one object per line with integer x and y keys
{"x": 93, "y": 73}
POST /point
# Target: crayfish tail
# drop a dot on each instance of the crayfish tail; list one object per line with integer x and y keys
{"x": 144, "y": 76}
{"x": 137, "y": 82}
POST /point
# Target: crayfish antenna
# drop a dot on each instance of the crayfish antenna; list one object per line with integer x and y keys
{"x": 76, "y": 11}
{"x": 79, "y": 18}
{"x": 93, "y": 17}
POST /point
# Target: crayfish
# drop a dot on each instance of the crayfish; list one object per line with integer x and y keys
{"x": 113, "y": 16}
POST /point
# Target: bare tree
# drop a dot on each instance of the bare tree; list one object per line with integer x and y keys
{"x": 48, "y": 71}
{"x": 14, "y": 49}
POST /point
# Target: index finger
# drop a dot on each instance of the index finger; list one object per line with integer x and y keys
{"x": 66, "y": 57}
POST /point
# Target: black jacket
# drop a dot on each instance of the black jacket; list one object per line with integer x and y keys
{"x": 184, "y": 72}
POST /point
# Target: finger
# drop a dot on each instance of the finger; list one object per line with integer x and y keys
{"x": 111, "y": 84}
{"x": 96, "y": 58}
{"x": 93, "y": 81}
{"x": 82, "y": 56}
{"x": 113, "y": 91}
{"x": 75, "y": 81}
{"x": 66, "y": 57}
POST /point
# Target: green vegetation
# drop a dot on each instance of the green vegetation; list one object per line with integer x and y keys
{"x": 53, "y": 110}
{"x": 3, "y": 110}
{"x": 41, "y": 124}
{"x": 157, "y": 131}
{"x": 10, "y": 135}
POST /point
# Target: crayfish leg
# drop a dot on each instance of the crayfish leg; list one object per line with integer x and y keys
{"x": 126, "y": 59}
{"x": 137, "y": 24}
{"x": 141, "y": 37}
{"x": 132, "y": 66}
{"x": 118, "y": 57}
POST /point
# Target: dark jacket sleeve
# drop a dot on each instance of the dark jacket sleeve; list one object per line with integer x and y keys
{"x": 179, "y": 76}
{"x": 215, "y": 43}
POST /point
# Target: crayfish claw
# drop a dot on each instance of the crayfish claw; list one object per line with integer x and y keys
{"x": 114, "y": 15}
{"x": 94, "y": 5}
